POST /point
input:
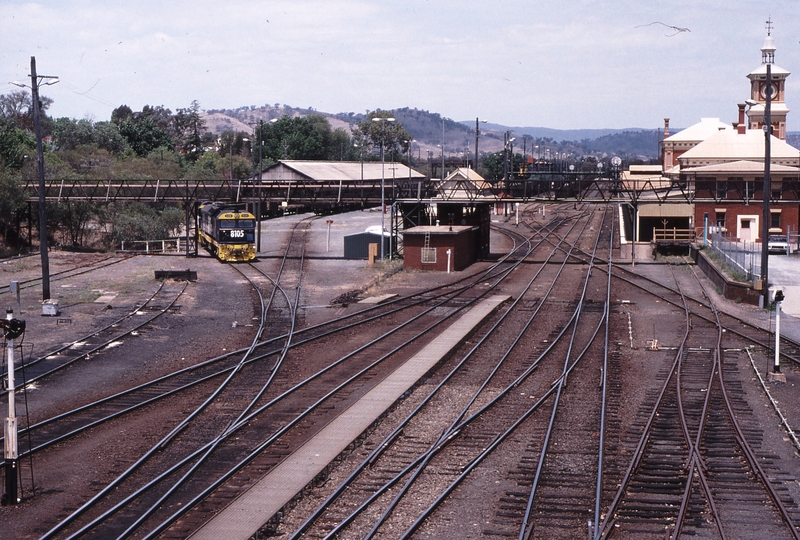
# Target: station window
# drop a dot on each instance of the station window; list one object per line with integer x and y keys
{"x": 776, "y": 190}
{"x": 775, "y": 220}
{"x": 720, "y": 219}
{"x": 749, "y": 190}
{"x": 722, "y": 190}
{"x": 428, "y": 255}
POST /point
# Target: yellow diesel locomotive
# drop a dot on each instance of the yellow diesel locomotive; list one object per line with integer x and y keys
{"x": 227, "y": 231}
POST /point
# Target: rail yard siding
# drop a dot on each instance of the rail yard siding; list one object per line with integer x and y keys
{"x": 245, "y": 515}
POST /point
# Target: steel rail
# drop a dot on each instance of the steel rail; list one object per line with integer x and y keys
{"x": 524, "y": 531}
{"x": 496, "y": 442}
{"x": 233, "y": 428}
{"x": 696, "y": 465}
{"x": 66, "y": 346}
{"x": 64, "y": 274}
{"x": 620, "y": 267}
{"x": 402, "y": 492}
{"x": 457, "y": 425}
{"x": 742, "y": 439}
{"x": 605, "y": 528}
{"x": 603, "y": 390}
{"x": 209, "y": 447}
{"x": 309, "y": 410}
{"x": 381, "y": 447}
{"x": 146, "y": 456}
{"x": 196, "y": 367}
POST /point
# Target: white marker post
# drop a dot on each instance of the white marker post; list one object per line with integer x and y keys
{"x": 776, "y": 367}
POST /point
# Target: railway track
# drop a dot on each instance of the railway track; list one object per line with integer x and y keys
{"x": 159, "y": 303}
{"x": 694, "y": 469}
{"x": 523, "y": 431}
{"x": 68, "y": 273}
{"x": 503, "y": 402}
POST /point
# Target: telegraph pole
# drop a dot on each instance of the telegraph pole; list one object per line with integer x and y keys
{"x": 37, "y": 123}
{"x": 767, "y": 191}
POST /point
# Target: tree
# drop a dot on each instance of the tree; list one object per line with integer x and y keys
{"x": 120, "y": 114}
{"x": 15, "y": 144}
{"x": 376, "y": 130}
{"x": 341, "y": 147}
{"x": 138, "y": 221}
{"x": 17, "y": 107}
{"x": 69, "y": 134}
{"x": 72, "y": 219}
{"x": 189, "y": 128}
{"x": 108, "y": 137}
{"x": 12, "y": 202}
{"x": 144, "y": 135}
{"x": 289, "y": 137}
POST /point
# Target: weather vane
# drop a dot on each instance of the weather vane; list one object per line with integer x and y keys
{"x": 769, "y": 26}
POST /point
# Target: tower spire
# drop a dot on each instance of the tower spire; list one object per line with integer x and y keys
{"x": 768, "y": 48}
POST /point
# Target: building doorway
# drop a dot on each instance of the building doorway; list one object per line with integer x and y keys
{"x": 747, "y": 230}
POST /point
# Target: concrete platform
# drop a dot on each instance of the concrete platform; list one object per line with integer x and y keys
{"x": 247, "y": 513}
{"x": 374, "y": 300}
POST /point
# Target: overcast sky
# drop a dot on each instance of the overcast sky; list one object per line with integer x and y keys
{"x": 559, "y": 64}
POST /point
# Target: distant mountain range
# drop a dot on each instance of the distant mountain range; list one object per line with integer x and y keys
{"x": 431, "y": 130}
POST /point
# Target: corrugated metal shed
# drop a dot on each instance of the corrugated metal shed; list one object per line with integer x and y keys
{"x": 356, "y": 246}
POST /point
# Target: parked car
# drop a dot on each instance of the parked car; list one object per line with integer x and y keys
{"x": 778, "y": 243}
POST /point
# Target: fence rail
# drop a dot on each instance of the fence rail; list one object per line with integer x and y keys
{"x": 167, "y": 245}
{"x": 743, "y": 256}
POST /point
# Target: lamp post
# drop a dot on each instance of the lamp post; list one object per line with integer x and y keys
{"x": 442, "y": 149}
{"x": 383, "y": 121}
{"x": 477, "y": 134}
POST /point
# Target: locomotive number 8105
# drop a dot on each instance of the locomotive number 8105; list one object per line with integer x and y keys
{"x": 227, "y": 231}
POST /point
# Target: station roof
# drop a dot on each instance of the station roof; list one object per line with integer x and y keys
{"x": 700, "y": 131}
{"x": 334, "y": 171}
{"x": 728, "y": 145}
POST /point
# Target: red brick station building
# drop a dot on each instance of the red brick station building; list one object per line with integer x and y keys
{"x": 722, "y": 167}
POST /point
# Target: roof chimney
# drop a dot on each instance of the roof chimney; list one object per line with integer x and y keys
{"x": 666, "y": 127}
{"x": 742, "y": 127}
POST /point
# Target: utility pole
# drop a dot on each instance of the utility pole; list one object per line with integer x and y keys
{"x": 767, "y": 190}
{"x": 37, "y": 123}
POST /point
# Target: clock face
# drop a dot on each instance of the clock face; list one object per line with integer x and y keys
{"x": 764, "y": 92}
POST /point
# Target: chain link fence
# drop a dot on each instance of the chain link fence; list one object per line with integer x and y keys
{"x": 741, "y": 256}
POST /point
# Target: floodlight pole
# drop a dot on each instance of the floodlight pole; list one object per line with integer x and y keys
{"x": 383, "y": 121}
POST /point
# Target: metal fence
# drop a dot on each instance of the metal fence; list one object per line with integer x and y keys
{"x": 168, "y": 245}
{"x": 742, "y": 256}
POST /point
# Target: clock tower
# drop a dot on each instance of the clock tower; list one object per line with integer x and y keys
{"x": 759, "y": 89}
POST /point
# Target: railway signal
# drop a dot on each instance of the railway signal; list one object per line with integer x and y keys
{"x": 12, "y": 329}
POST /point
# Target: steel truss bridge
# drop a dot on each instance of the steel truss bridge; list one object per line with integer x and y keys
{"x": 565, "y": 186}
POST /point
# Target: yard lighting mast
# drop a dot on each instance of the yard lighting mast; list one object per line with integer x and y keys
{"x": 477, "y": 134}
{"x": 383, "y": 121}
